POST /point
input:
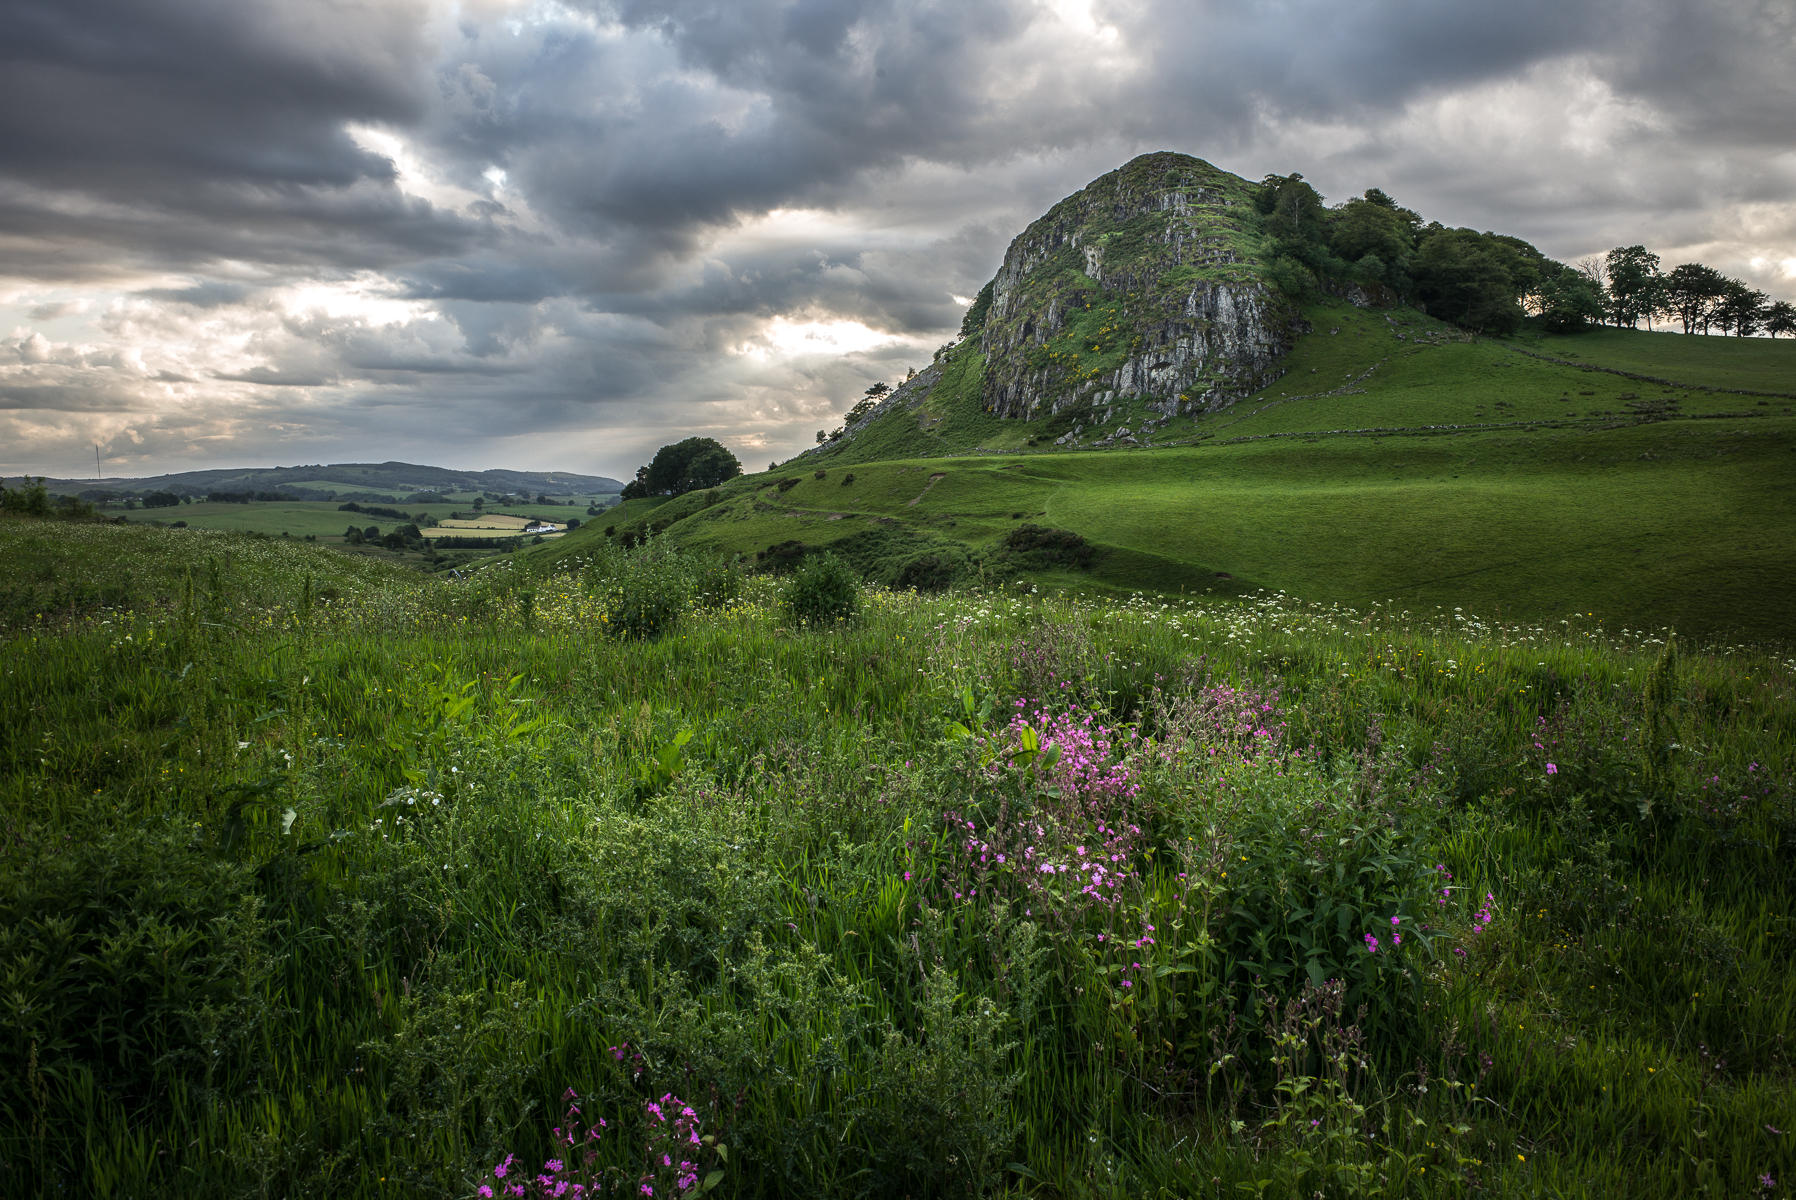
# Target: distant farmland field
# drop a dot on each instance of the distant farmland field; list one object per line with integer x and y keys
{"x": 325, "y": 520}
{"x": 487, "y": 525}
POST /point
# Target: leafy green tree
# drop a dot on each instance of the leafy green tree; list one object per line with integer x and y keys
{"x": 1292, "y": 277}
{"x": 1569, "y": 302}
{"x": 684, "y": 466}
{"x": 1635, "y": 284}
{"x": 1375, "y": 227}
{"x": 974, "y": 321}
{"x": 1780, "y": 317}
{"x": 1471, "y": 279}
{"x": 1292, "y": 208}
{"x": 1740, "y": 309}
{"x": 862, "y": 407}
{"x": 1691, "y": 293}
{"x": 30, "y": 497}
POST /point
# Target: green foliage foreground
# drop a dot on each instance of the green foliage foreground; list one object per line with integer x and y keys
{"x": 320, "y": 884}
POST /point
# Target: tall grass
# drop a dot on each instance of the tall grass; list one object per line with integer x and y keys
{"x": 315, "y": 887}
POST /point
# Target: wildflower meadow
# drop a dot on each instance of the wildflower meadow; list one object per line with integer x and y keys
{"x": 650, "y": 876}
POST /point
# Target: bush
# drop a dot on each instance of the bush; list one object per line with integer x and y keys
{"x": 825, "y": 589}
{"x": 932, "y": 571}
{"x": 781, "y": 558}
{"x": 651, "y": 585}
{"x": 1038, "y": 547}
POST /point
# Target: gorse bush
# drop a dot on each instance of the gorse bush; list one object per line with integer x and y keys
{"x": 823, "y": 590}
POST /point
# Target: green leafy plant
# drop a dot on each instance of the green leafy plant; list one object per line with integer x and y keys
{"x": 824, "y": 590}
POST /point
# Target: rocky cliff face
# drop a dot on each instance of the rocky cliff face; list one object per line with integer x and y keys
{"x": 1145, "y": 285}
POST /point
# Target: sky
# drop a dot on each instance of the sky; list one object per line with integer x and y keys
{"x": 557, "y": 235}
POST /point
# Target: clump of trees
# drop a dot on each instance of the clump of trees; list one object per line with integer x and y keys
{"x": 31, "y": 498}
{"x": 263, "y": 495}
{"x": 685, "y": 466}
{"x": 1698, "y": 297}
{"x": 1488, "y": 282}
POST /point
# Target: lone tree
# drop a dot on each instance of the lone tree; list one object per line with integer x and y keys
{"x": 686, "y": 466}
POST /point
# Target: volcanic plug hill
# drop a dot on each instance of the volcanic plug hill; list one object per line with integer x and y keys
{"x": 1144, "y": 293}
{"x": 1147, "y": 284}
{"x": 1137, "y": 401}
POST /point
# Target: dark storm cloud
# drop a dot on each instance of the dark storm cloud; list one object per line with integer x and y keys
{"x": 163, "y": 133}
{"x": 1719, "y": 70}
{"x": 665, "y": 119}
{"x": 1240, "y": 63}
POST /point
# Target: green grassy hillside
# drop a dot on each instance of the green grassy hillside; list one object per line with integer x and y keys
{"x": 1397, "y": 461}
{"x": 320, "y": 879}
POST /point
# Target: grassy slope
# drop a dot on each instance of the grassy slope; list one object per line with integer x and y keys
{"x": 1752, "y": 364}
{"x": 57, "y": 569}
{"x": 365, "y": 1010}
{"x": 1395, "y": 461}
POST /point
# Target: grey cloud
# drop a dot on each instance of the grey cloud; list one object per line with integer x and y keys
{"x": 176, "y": 132}
{"x": 277, "y": 377}
{"x": 212, "y": 293}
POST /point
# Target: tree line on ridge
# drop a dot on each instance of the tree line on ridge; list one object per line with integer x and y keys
{"x": 1489, "y": 282}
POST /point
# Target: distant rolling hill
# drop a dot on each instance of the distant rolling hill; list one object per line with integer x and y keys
{"x": 394, "y": 477}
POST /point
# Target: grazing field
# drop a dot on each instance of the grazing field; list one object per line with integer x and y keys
{"x": 489, "y": 525}
{"x": 1397, "y": 460}
{"x": 299, "y": 518}
{"x": 322, "y": 878}
{"x": 327, "y": 518}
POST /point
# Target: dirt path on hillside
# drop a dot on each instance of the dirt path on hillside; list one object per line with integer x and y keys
{"x": 933, "y": 480}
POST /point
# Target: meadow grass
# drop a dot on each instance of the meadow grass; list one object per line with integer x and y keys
{"x": 1750, "y": 364}
{"x": 1643, "y": 526}
{"x": 319, "y": 878}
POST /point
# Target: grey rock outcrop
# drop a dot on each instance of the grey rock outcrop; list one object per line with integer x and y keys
{"x": 1144, "y": 285}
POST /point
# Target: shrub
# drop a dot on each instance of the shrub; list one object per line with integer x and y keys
{"x": 788, "y": 483}
{"x": 824, "y": 589}
{"x": 931, "y": 572}
{"x": 648, "y": 584}
{"x": 781, "y": 558}
{"x": 1038, "y": 546}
